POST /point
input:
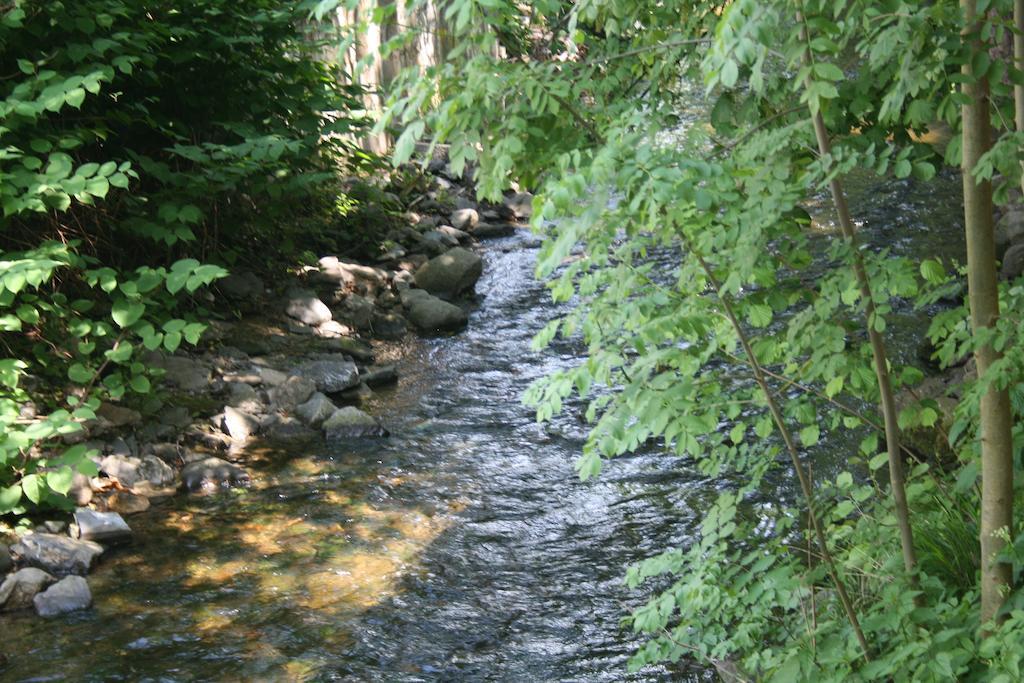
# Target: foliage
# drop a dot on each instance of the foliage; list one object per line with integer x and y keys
{"x": 143, "y": 147}
{"x": 660, "y": 227}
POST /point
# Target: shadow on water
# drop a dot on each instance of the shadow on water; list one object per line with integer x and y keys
{"x": 462, "y": 548}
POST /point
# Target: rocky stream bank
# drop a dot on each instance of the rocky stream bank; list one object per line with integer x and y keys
{"x": 293, "y": 369}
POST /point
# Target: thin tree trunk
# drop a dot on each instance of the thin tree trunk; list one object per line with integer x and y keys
{"x": 1018, "y": 62}
{"x": 794, "y": 455}
{"x": 878, "y": 353}
{"x": 983, "y": 295}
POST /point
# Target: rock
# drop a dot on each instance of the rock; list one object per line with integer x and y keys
{"x": 238, "y": 425}
{"x": 102, "y": 527}
{"x": 291, "y": 393}
{"x": 352, "y": 276}
{"x": 302, "y": 329}
{"x": 451, "y": 273}
{"x": 464, "y": 203}
{"x": 272, "y": 377}
{"x": 70, "y": 594}
{"x": 5, "y": 559}
{"x": 432, "y": 315}
{"x": 18, "y": 589}
{"x": 357, "y": 311}
{"x": 304, "y": 306}
{"x": 211, "y": 473}
{"x": 180, "y": 371}
{"x": 130, "y": 470}
{"x": 1009, "y": 230}
{"x": 329, "y": 374}
{"x": 332, "y": 329}
{"x": 454, "y": 233}
{"x": 118, "y": 416}
{"x": 80, "y": 491}
{"x": 465, "y": 219}
{"x": 426, "y": 222}
{"x": 57, "y": 555}
{"x": 488, "y": 230}
{"x": 126, "y": 503}
{"x": 317, "y": 409}
{"x": 288, "y": 429}
{"x": 357, "y": 394}
{"x": 355, "y": 348}
{"x": 244, "y": 397}
{"x": 352, "y": 423}
{"x": 170, "y": 453}
{"x": 1013, "y": 262}
{"x": 435, "y": 244}
{"x": 382, "y": 376}
{"x": 241, "y": 286}
{"x": 388, "y": 325}
{"x": 520, "y": 204}
{"x": 177, "y": 417}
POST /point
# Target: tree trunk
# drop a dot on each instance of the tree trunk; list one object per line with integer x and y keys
{"x": 983, "y": 295}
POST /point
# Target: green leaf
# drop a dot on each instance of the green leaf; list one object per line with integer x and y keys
{"x": 729, "y": 74}
{"x": 126, "y": 313}
{"x": 60, "y": 480}
{"x": 80, "y": 374}
{"x": 139, "y": 384}
{"x": 809, "y": 435}
{"x": 828, "y": 71}
{"x": 32, "y": 485}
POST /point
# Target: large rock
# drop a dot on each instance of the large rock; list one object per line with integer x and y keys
{"x": 464, "y": 219}
{"x": 352, "y": 423}
{"x": 377, "y": 377}
{"x": 304, "y": 306}
{"x": 241, "y": 286}
{"x": 18, "y": 589}
{"x": 1013, "y": 262}
{"x": 450, "y": 274}
{"x": 352, "y": 276}
{"x": 5, "y": 560}
{"x": 238, "y": 425}
{"x": 388, "y": 325}
{"x": 131, "y": 471}
{"x": 520, "y": 204}
{"x": 281, "y": 428}
{"x": 210, "y": 474}
{"x": 70, "y": 594}
{"x": 244, "y": 397}
{"x": 432, "y": 315}
{"x": 453, "y": 233}
{"x": 489, "y": 230}
{"x": 357, "y": 311}
{"x": 102, "y": 527}
{"x": 330, "y": 375}
{"x": 291, "y": 393}
{"x": 57, "y": 555}
{"x": 316, "y": 409}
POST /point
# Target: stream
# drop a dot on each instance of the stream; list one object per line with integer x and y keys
{"x": 462, "y": 548}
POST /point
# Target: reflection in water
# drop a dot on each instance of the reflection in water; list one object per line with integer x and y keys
{"x": 462, "y": 548}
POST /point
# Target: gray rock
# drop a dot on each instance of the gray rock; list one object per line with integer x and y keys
{"x": 18, "y": 589}
{"x": 353, "y": 276}
{"x": 451, "y": 273}
{"x": 238, "y": 425}
{"x": 280, "y": 428}
{"x": 521, "y": 204}
{"x": 244, "y": 397}
{"x": 80, "y": 492}
{"x": 1009, "y": 230}
{"x": 489, "y": 230}
{"x": 57, "y": 555}
{"x": 464, "y": 219}
{"x": 118, "y": 416}
{"x": 1013, "y": 262}
{"x": 241, "y": 286}
{"x": 70, "y": 594}
{"x": 303, "y": 305}
{"x": 454, "y": 233}
{"x": 357, "y": 311}
{"x": 330, "y": 375}
{"x": 352, "y": 423}
{"x": 177, "y": 417}
{"x": 180, "y": 371}
{"x": 5, "y": 560}
{"x": 464, "y": 203}
{"x": 435, "y": 244}
{"x": 210, "y": 474}
{"x": 291, "y": 393}
{"x": 432, "y": 315}
{"x": 389, "y": 325}
{"x": 102, "y": 527}
{"x": 358, "y": 394}
{"x": 377, "y": 377}
{"x": 272, "y": 377}
{"x": 332, "y": 329}
{"x": 130, "y": 470}
{"x": 316, "y": 409}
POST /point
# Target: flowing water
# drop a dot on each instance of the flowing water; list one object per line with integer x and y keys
{"x": 462, "y": 548}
